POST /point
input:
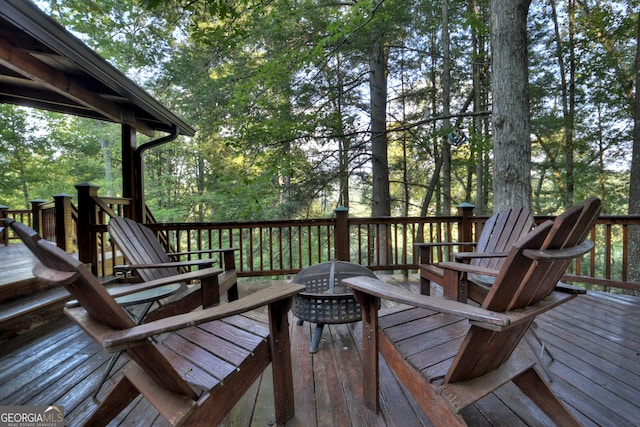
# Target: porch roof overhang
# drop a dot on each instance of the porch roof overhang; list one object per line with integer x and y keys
{"x": 44, "y": 66}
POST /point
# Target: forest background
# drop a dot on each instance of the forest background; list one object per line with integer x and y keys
{"x": 281, "y": 95}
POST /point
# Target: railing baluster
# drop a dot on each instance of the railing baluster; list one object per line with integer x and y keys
{"x": 276, "y": 248}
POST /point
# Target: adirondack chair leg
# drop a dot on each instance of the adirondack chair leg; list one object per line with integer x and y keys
{"x": 454, "y": 286}
{"x": 425, "y": 286}
{"x": 232, "y": 293}
{"x": 210, "y": 291}
{"x": 437, "y": 408}
{"x": 281, "y": 360}
{"x": 118, "y": 398}
{"x": 539, "y": 392}
{"x": 425, "y": 283}
{"x": 228, "y": 258}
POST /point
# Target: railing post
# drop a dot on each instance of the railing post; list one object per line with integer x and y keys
{"x": 87, "y": 211}
{"x": 65, "y": 233}
{"x": 36, "y": 215}
{"x": 341, "y": 234}
{"x": 465, "y": 210}
{"x": 4, "y": 234}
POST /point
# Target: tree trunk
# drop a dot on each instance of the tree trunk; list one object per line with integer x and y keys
{"x": 343, "y": 141}
{"x": 381, "y": 197}
{"x": 446, "y": 111}
{"x": 480, "y": 103}
{"x": 381, "y": 200}
{"x": 510, "y": 110}
{"x": 568, "y": 96}
{"x": 634, "y": 184}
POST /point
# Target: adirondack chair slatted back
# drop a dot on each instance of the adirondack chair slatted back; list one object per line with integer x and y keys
{"x": 533, "y": 278}
{"x": 496, "y": 238}
{"x": 58, "y": 268}
{"x": 146, "y": 249}
{"x": 499, "y": 234}
{"x": 522, "y": 281}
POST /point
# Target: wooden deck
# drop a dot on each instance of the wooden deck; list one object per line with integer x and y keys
{"x": 16, "y": 263}
{"x": 595, "y": 340}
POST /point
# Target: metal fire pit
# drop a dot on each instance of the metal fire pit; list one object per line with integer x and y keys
{"x": 325, "y": 299}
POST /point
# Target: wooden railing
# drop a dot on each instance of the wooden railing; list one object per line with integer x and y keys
{"x": 22, "y": 215}
{"x": 276, "y": 248}
{"x": 55, "y": 220}
{"x": 282, "y": 248}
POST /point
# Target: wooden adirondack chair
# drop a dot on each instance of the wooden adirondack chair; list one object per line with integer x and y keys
{"x": 498, "y": 235}
{"x": 198, "y": 364}
{"x": 149, "y": 261}
{"x": 450, "y": 354}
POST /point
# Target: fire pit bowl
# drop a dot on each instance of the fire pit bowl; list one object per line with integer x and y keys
{"x": 325, "y": 299}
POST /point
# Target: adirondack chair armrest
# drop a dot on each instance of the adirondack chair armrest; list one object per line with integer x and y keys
{"x": 466, "y": 268}
{"x": 468, "y": 256}
{"x": 92, "y": 327}
{"x": 118, "y": 340}
{"x": 524, "y": 314}
{"x": 226, "y": 254}
{"x": 380, "y": 289}
{"x": 185, "y": 277}
{"x": 203, "y": 251}
{"x": 425, "y": 249}
{"x": 436, "y": 244}
{"x": 564, "y": 254}
{"x": 177, "y": 264}
{"x": 569, "y": 289}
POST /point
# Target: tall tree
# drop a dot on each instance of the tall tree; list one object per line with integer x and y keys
{"x": 481, "y": 124}
{"x": 568, "y": 90}
{"x": 381, "y": 199}
{"x": 510, "y": 108}
{"x": 446, "y": 109}
{"x": 634, "y": 181}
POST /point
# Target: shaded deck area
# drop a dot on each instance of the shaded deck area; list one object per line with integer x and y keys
{"x": 595, "y": 340}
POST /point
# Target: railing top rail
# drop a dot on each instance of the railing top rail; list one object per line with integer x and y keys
{"x": 235, "y": 224}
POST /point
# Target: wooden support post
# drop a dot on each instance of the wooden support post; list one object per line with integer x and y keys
{"x": 87, "y": 212}
{"x": 36, "y": 215}
{"x": 341, "y": 234}
{"x": 466, "y": 225}
{"x": 65, "y": 232}
{"x": 130, "y": 189}
{"x": 4, "y": 233}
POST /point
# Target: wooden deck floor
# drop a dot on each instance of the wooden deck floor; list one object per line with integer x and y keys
{"x": 595, "y": 340}
{"x": 15, "y": 265}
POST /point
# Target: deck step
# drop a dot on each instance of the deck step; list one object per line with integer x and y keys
{"x": 27, "y": 312}
{"x": 21, "y": 288}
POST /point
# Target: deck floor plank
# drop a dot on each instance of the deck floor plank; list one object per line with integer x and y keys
{"x": 17, "y": 264}
{"x": 332, "y": 409}
{"x": 604, "y": 366}
{"x": 594, "y": 339}
{"x": 511, "y": 397}
{"x": 348, "y": 355}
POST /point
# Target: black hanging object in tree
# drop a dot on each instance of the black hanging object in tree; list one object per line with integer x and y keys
{"x": 456, "y": 138}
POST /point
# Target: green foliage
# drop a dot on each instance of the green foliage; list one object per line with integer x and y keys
{"x": 279, "y": 94}
{"x": 42, "y": 154}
